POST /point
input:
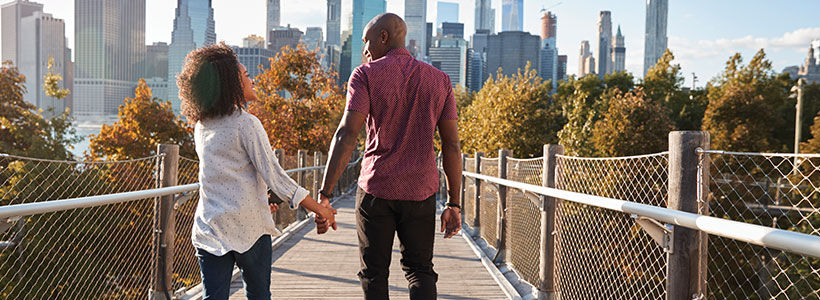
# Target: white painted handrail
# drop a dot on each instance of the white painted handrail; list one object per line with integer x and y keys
{"x": 789, "y": 241}
{"x": 28, "y": 209}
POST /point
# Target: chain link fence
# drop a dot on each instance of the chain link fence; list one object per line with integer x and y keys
{"x": 103, "y": 251}
{"x": 469, "y": 193}
{"x": 602, "y": 252}
{"x": 523, "y": 230}
{"x": 773, "y": 190}
{"x": 489, "y": 202}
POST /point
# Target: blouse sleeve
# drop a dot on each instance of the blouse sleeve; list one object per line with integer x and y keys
{"x": 256, "y": 144}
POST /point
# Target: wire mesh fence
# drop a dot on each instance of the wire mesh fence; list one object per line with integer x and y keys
{"x": 469, "y": 193}
{"x": 103, "y": 251}
{"x": 773, "y": 190}
{"x": 602, "y": 252}
{"x": 523, "y": 230}
{"x": 186, "y": 266}
{"x": 489, "y": 202}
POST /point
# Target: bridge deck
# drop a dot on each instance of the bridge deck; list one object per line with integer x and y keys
{"x": 309, "y": 266}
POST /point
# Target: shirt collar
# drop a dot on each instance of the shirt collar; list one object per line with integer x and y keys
{"x": 398, "y": 51}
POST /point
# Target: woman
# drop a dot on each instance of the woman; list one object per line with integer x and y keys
{"x": 233, "y": 224}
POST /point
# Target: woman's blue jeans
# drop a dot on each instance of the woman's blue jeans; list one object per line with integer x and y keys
{"x": 255, "y": 265}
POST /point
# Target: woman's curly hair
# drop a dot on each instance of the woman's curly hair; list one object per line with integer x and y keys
{"x": 209, "y": 85}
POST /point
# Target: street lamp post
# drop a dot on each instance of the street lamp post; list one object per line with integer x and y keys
{"x": 798, "y": 119}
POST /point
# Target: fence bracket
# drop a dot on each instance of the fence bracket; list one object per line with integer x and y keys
{"x": 536, "y": 199}
{"x": 661, "y": 234}
{"x": 181, "y": 199}
{"x": 6, "y": 223}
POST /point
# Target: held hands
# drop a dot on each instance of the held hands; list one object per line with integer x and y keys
{"x": 323, "y": 222}
{"x": 450, "y": 222}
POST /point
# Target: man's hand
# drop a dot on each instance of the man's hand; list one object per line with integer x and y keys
{"x": 450, "y": 222}
{"x": 322, "y": 223}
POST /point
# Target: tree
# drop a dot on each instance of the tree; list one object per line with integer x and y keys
{"x": 511, "y": 112}
{"x": 813, "y": 144}
{"x": 633, "y": 124}
{"x": 463, "y": 97}
{"x": 144, "y": 122}
{"x": 742, "y": 100}
{"x": 23, "y": 131}
{"x": 581, "y": 105}
{"x": 307, "y": 118}
{"x": 51, "y": 82}
{"x": 622, "y": 81}
{"x": 664, "y": 85}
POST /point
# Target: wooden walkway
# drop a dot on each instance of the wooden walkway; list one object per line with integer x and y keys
{"x": 311, "y": 266}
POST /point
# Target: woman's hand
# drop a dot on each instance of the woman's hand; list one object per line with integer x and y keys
{"x": 327, "y": 217}
{"x": 273, "y": 208}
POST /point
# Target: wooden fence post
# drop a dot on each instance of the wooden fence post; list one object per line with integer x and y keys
{"x": 501, "y": 221}
{"x": 686, "y": 264}
{"x": 477, "y": 184}
{"x": 546, "y": 257}
{"x": 280, "y": 157}
{"x": 301, "y": 162}
{"x": 164, "y": 224}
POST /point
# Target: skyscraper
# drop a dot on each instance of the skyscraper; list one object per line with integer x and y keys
{"x": 484, "y": 15}
{"x": 194, "y": 28}
{"x": 12, "y": 15}
{"x": 334, "y": 22}
{"x": 512, "y": 15}
{"x": 156, "y": 62}
{"x": 562, "y": 67}
{"x": 429, "y": 38}
{"x": 604, "y": 43}
{"x": 586, "y": 63}
{"x": 314, "y": 38}
{"x": 447, "y": 12}
{"x": 618, "y": 53}
{"x": 511, "y": 51}
{"x": 253, "y": 41}
{"x": 450, "y": 56}
{"x": 42, "y": 38}
{"x": 272, "y": 21}
{"x": 284, "y": 36}
{"x": 548, "y": 68}
{"x": 254, "y": 58}
{"x": 655, "y": 40}
{"x": 110, "y": 52}
{"x": 415, "y": 15}
{"x": 477, "y": 60}
{"x": 455, "y": 30}
{"x": 549, "y": 26}
{"x": 363, "y": 12}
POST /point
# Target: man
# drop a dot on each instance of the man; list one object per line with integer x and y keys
{"x": 402, "y": 101}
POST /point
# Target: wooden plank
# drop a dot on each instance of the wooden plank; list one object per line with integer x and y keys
{"x": 311, "y": 266}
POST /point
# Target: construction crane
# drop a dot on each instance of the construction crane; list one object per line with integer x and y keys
{"x": 543, "y": 10}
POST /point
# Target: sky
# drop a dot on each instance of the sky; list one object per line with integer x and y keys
{"x": 703, "y": 34}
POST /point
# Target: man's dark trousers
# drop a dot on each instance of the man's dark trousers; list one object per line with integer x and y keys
{"x": 378, "y": 220}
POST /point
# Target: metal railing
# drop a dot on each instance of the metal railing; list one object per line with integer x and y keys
{"x": 684, "y": 224}
{"x": 98, "y": 240}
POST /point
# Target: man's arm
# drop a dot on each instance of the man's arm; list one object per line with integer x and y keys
{"x": 451, "y": 160}
{"x": 341, "y": 147}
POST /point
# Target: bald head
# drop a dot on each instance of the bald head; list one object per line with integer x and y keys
{"x": 382, "y": 34}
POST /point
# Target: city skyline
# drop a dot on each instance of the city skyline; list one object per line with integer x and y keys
{"x": 702, "y": 34}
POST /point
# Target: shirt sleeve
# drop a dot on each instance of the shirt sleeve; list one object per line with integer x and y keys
{"x": 256, "y": 144}
{"x": 358, "y": 92}
{"x": 450, "y": 111}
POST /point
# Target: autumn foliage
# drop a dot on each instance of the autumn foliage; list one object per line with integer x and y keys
{"x": 299, "y": 104}
{"x": 144, "y": 122}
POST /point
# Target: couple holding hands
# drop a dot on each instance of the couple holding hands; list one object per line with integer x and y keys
{"x": 400, "y": 100}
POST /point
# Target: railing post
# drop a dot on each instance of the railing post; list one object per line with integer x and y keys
{"x": 317, "y": 177}
{"x": 463, "y": 185}
{"x": 686, "y": 264}
{"x": 280, "y": 157}
{"x": 477, "y": 184}
{"x": 164, "y": 224}
{"x": 546, "y": 257}
{"x": 301, "y": 162}
{"x": 501, "y": 222}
